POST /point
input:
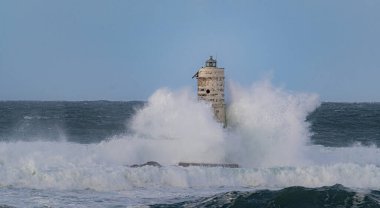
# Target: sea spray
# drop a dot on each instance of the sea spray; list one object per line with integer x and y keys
{"x": 67, "y": 166}
{"x": 267, "y": 124}
{"x": 266, "y": 127}
{"x": 267, "y": 136}
{"x": 174, "y": 127}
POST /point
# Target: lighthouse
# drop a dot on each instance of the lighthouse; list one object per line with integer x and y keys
{"x": 211, "y": 88}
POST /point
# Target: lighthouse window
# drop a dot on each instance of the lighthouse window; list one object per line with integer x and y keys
{"x": 207, "y": 91}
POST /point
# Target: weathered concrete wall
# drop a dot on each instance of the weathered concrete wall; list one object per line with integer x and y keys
{"x": 211, "y": 89}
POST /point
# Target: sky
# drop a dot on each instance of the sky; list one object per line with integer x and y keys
{"x": 126, "y": 50}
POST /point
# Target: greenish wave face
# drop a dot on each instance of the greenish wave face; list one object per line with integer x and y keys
{"x": 328, "y": 196}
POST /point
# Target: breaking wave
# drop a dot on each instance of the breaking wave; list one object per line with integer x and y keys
{"x": 333, "y": 196}
{"x": 267, "y": 135}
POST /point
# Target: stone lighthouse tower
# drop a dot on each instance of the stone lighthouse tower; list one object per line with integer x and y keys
{"x": 211, "y": 88}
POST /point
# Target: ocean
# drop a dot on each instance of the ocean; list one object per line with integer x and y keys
{"x": 293, "y": 151}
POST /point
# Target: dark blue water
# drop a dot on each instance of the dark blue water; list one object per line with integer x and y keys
{"x": 331, "y": 125}
{"x": 81, "y": 122}
{"x": 344, "y": 124}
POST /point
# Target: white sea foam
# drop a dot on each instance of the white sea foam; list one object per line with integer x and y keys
{"x": 267, "y": 135}
{"x": 74, "y": 166}
{"x": 175, "y": 127}
{"x": 268, "y": 125}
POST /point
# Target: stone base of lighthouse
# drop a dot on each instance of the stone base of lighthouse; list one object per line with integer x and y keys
{"x": 211, "y": 88}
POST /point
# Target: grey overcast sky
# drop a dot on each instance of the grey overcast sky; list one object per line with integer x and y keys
{"x": 125, "y": 50}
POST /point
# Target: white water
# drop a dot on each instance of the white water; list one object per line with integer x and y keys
{"x": 267, "y": 135}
